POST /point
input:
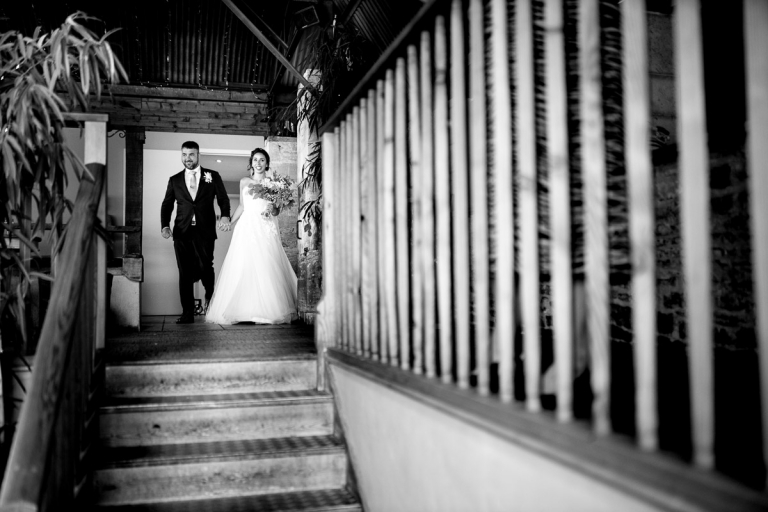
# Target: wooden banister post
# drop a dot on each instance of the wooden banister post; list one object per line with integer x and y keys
{"x": 96, "y": 154}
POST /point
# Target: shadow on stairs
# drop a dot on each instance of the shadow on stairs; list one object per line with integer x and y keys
{"x": 210, "y": 418}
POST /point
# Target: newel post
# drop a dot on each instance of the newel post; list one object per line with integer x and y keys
{"x": 327, "y": 321}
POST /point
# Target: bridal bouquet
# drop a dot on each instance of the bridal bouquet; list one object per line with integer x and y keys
{"x": 277, "y": 189}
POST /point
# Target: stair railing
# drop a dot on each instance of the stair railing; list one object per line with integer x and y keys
{"x": 407, "y": 164}
{"x": 47, "y": 467}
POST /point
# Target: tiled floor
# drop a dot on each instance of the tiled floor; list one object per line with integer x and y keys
{"x": 168, "y": 323}
{"x": 161, "y": 339}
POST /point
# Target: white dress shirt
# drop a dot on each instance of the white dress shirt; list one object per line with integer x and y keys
{"x": 187, "y": 174}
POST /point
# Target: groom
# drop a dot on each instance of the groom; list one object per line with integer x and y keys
{"x": 194, "y": 231}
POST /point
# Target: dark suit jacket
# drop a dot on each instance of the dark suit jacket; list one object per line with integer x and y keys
{"x": 201, "y": 207}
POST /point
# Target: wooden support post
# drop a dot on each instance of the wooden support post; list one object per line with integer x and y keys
{"x": 134, "y": 184}
{"x": 96, "y": 154}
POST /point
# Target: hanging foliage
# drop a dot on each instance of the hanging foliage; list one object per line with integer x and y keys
{"x": 340, "y": 58}
{"x": 37, "y": 73}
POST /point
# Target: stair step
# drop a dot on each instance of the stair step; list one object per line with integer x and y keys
{"x": 147, "y": 474}
{"x": 202, "y": 377}
{"x": 322, "y": 500}
{"x": 134, "y": 421}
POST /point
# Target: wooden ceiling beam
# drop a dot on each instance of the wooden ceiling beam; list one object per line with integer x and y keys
{"x": 268, "y": 44}
{"x": 182, "y": 93}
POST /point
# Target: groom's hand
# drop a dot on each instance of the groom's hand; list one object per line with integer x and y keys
{"x": 166, "y": 232}
{"x": 224, "y": 225}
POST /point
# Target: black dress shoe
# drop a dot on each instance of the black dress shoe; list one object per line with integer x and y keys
{"x": 185, "y": 320}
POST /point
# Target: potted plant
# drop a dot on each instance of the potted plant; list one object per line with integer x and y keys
{"x": 42, "y": 77}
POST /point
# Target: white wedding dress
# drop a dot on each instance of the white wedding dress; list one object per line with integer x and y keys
{"x": 256, "y": 282}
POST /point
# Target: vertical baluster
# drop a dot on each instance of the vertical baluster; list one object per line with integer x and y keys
{"x": 694, "y": 202}
{"x": 459, "y": 193}
{"x": 641, "y": 217}
{"x": 756, "y": 41}
{"x": 595, "y": 213}
{"x": 355, "y": 238}
{"x": 401, "y": 214}
{"x": 384, "y": 332}
{"x": 528, "y": 192}
{"x": 338, "y": 223}
{"x": 560, "y": 200}
{"x": 504, "y": 201}
{"x": 443, "y": 204}
{"x": 389, "y": 215}
{"x": 367, "y": 271}
{"x": 328, "y": 324}
{"x": 427, "y": 204}
{"x": 417, "y": 170}
{"x": 349, "y": 237}
{"x": 344, "y": 238}
{"x": 479, "y": 189}
{"x": 373, "y": 233}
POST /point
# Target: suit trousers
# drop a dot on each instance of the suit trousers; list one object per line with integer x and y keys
{"x": 194, "y": 257}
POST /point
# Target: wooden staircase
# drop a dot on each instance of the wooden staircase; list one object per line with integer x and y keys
{"x": 220, "y": 435}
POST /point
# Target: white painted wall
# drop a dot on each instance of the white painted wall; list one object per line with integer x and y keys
{"x": 411, "y": 457}
{"x": 74, "y": 139}
{"x": 162, "y": 159}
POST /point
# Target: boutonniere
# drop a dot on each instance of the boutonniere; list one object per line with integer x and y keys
{"x": 207, "y": 177}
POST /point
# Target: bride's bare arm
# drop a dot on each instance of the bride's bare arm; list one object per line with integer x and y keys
{"x": 239, "y": 210}
{"x": 237, "y": 214}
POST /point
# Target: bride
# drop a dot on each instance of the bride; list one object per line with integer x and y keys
{"x": 256, "y": 282}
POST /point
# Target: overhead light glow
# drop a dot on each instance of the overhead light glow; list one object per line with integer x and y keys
{"x": 218, "y": 161}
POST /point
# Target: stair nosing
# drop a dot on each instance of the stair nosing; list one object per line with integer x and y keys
{"x": 357, "y": 505}
{"x": 225, "y": 454}
{"x": 172, "y": 362}
{"x": 212, "y": 401}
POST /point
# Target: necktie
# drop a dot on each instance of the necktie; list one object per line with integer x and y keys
{"x": 192, "y": 184}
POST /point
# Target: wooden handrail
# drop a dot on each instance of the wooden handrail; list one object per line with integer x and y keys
{"x": 35, "y": 441}
{"x": 387, "y": 60}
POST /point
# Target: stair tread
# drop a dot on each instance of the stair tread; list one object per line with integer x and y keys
{"x": 133, "y": 403}
{"x": 210, "y": 451}
{"x": 211, "y": 345}
{"x": 277, "y": 356}
{"x": 304, "y": 501}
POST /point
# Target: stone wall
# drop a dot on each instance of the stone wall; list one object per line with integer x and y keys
{"x": 282, "y": 159}
{"x": 737, "y": 401}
